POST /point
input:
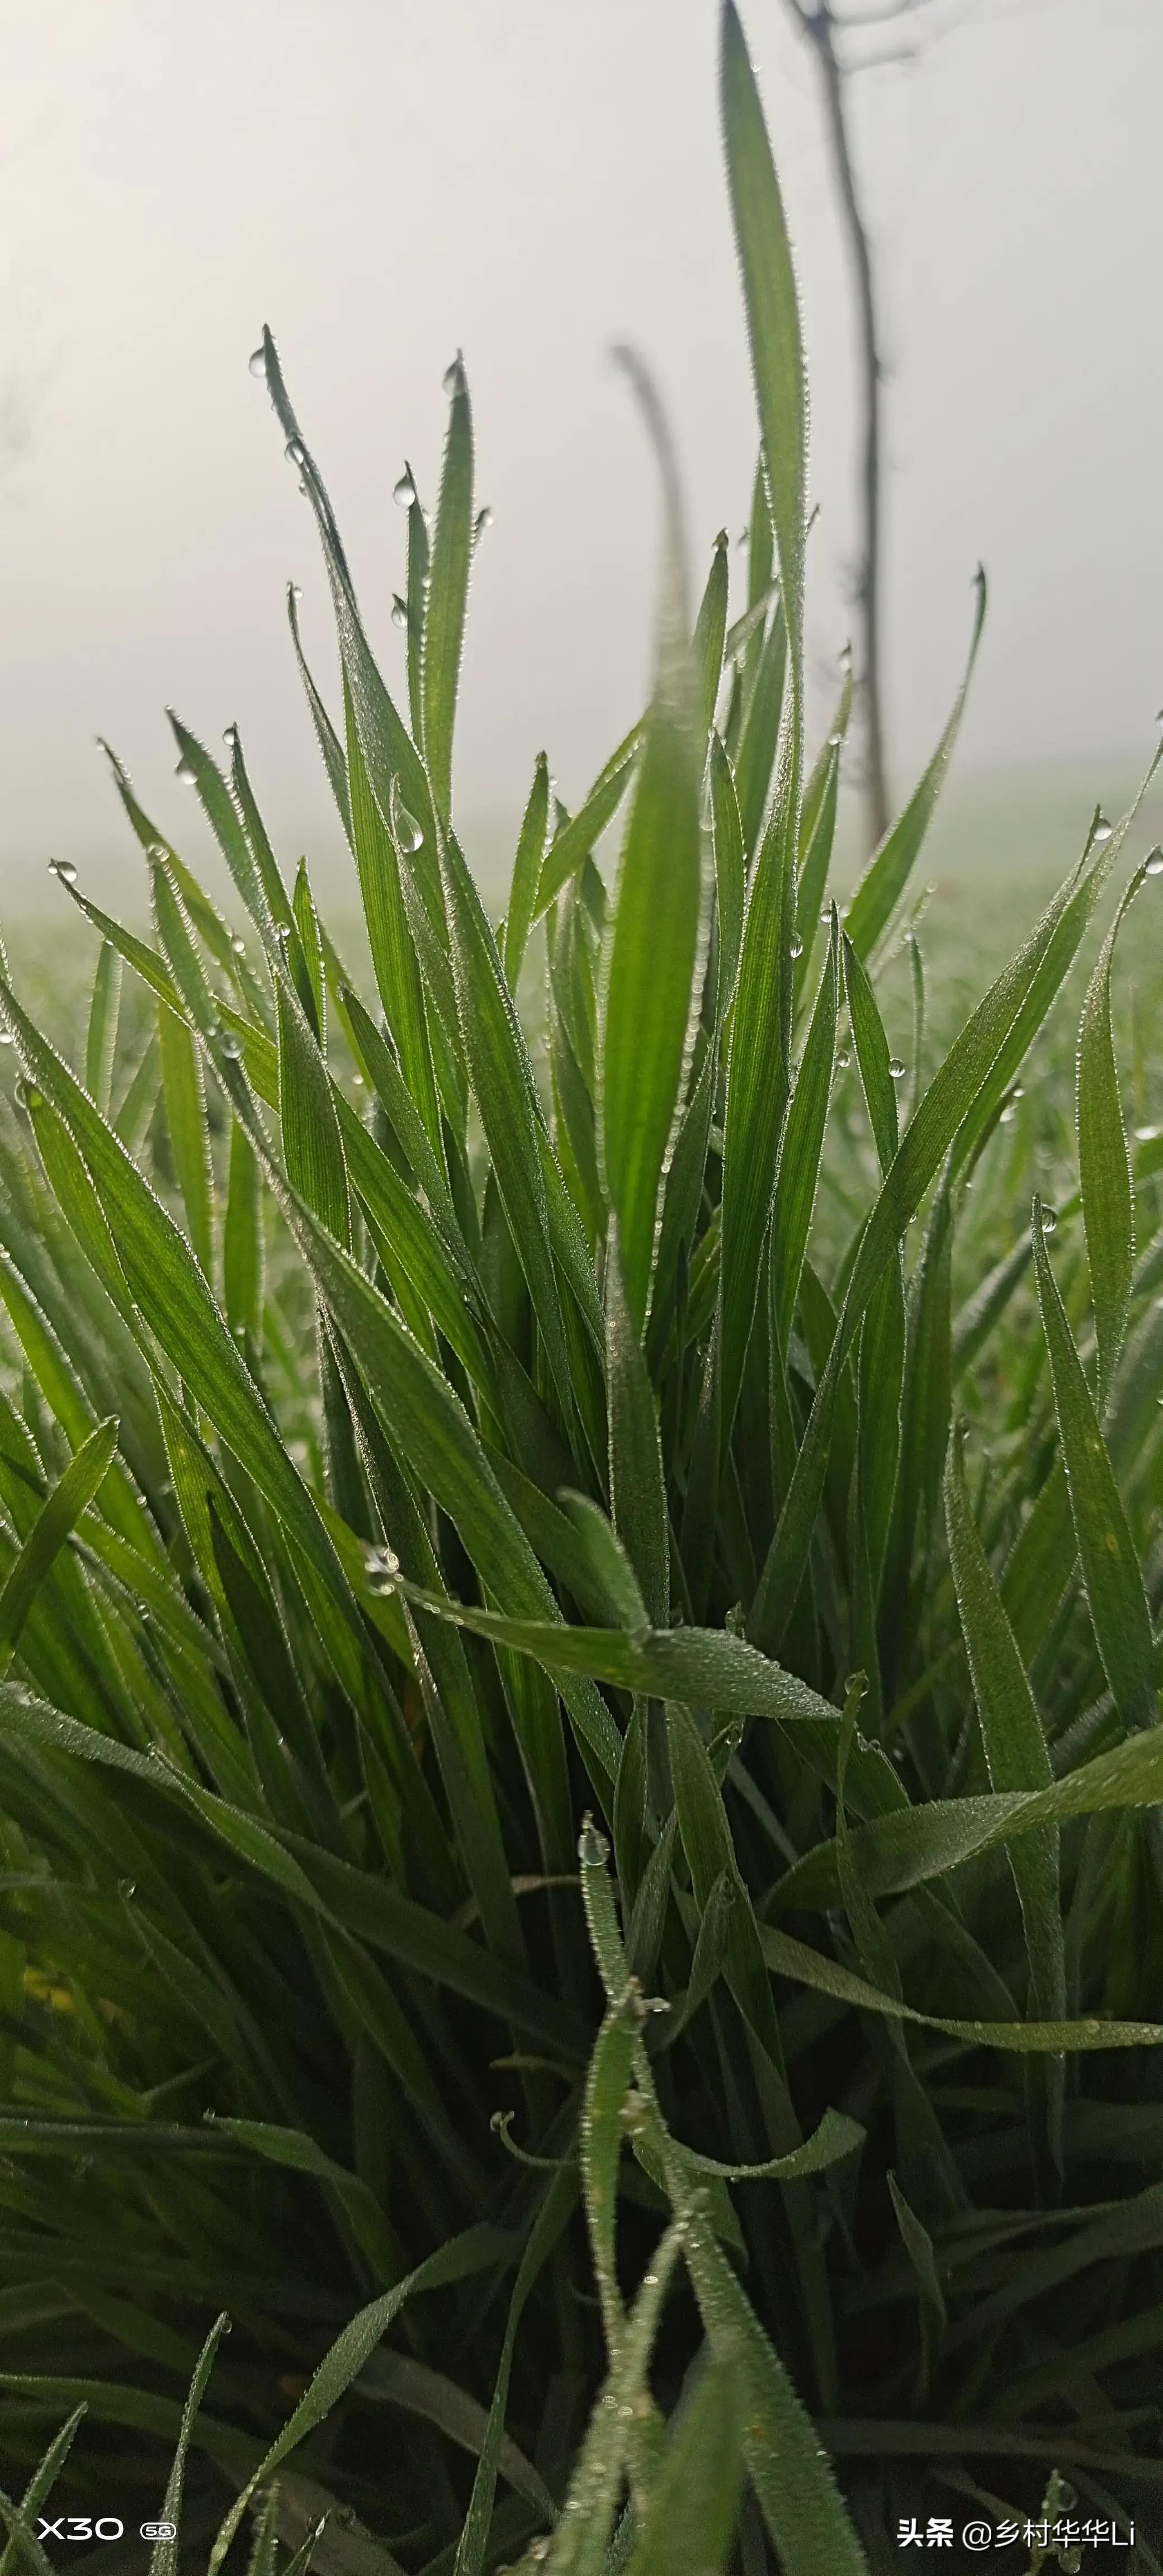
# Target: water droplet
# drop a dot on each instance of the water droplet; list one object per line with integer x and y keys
{"x": 404, "y": 492}
{"x": 399, "y": 610}
{"x": 1103, "y": 831}
{"x": 593, "y": 1850}
{"x": 453, "y": 376}
{"x": 5, "y": 1037}
{"x": 796, "y": 948}
{"x": 1008, "y": 1116}
{"x": 484, "y": 519}
{"x": 27, "y": 1096}
{"x": 408, "y": 831}
{"x": 257, "y": 361}
{"x": 64, "y": 870}
{"x": 238, "y": 945}
{"x": 230, "y": 735}
{"x": 896, "y": 1068}
{"x": 126, "y": 1887}
{"x": 1154, "y": 865}
{"x": 296, "y": 451}
{"x": 1049, "y": 1219}
{"x": 834, "y": 741}
{"x": 283, "y": 933}
{"x": 295, "y": 589}
{"x": 231, "y": 1045}
{"x": 844, "y": 1059}
{"x": 186, "y": 772}
{"x": 1147, "y": 1135}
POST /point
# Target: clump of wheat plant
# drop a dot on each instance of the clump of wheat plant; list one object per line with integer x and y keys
{"x": 580, "y": 1761}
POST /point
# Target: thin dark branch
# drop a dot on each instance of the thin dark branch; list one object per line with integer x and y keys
{"x": 819, "y": 25}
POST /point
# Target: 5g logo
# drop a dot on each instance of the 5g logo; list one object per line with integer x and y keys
{"x": 81, "y": 2526}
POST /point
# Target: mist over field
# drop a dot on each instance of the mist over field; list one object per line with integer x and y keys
{"x": 383, "y": 184}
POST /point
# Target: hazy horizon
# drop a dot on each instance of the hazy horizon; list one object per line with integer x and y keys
{"x": 387, "y": 184}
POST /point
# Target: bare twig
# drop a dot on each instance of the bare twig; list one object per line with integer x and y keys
{"x": 826, "y": 27}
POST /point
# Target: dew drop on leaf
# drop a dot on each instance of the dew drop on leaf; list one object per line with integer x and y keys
{"x": 1154, "y": 866}
{"x": 186, "y": 772}
{"x": 796, "y": 948}
{"x": 408, "y": 831}
{"x": 399, "y": 610}
{"x": 896, "y": 1068}
{"x": 257, "y": 361}
{"x": 404, "y": 492}
{"x": 1049, "y": 1219}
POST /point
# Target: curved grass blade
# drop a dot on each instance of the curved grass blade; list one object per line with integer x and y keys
{"x": 527, "y": 871}
{"x": 553, "y": 2216}
{"x": 996, "y": 1035}
{"x": 40, "y": 2486}
{"x": 757, "y": 750}
{"x": 806, "y": 1967}
{"x": 1108, "y": 1210}
{"x": 448, "y": 591}
{"x": 101, "y": 1035}
{"x": 572, "y": 844}
{"x": 710, "y": 635}
{"x": 730, "y": 870}
{"x": 53, "y": 1526}
{"x": 416, "y": 607}
{"x": 189, "y": 1138}
{"x": 773, "y": 314}
{"x": 887, "y": 874}
{"x": 798, "y": 1171}
{"x": 242, "y": 1239}
{"x": 637, "y": 1485}
{"x": 476, "y": 2250}
{"x": 690, "y": 2516}
{"x": 656, "y": 919}
{"x": 1110, "y": 1567}
{"x": 164, "y": 2559}
{"x": 387, "y": 746}
{"x": 312, "y": 1145}
{"x": 703, "y": 1667}
{"x": 328, "y": 740}
{"x": 1017, "y": 1758}
{"x": 502, "y": 1080}
{"x": 905, "y": 1847}
{"x": 394, "y": 958}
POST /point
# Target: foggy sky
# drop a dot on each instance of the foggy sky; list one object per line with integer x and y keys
{"x": 386, "y": 180}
